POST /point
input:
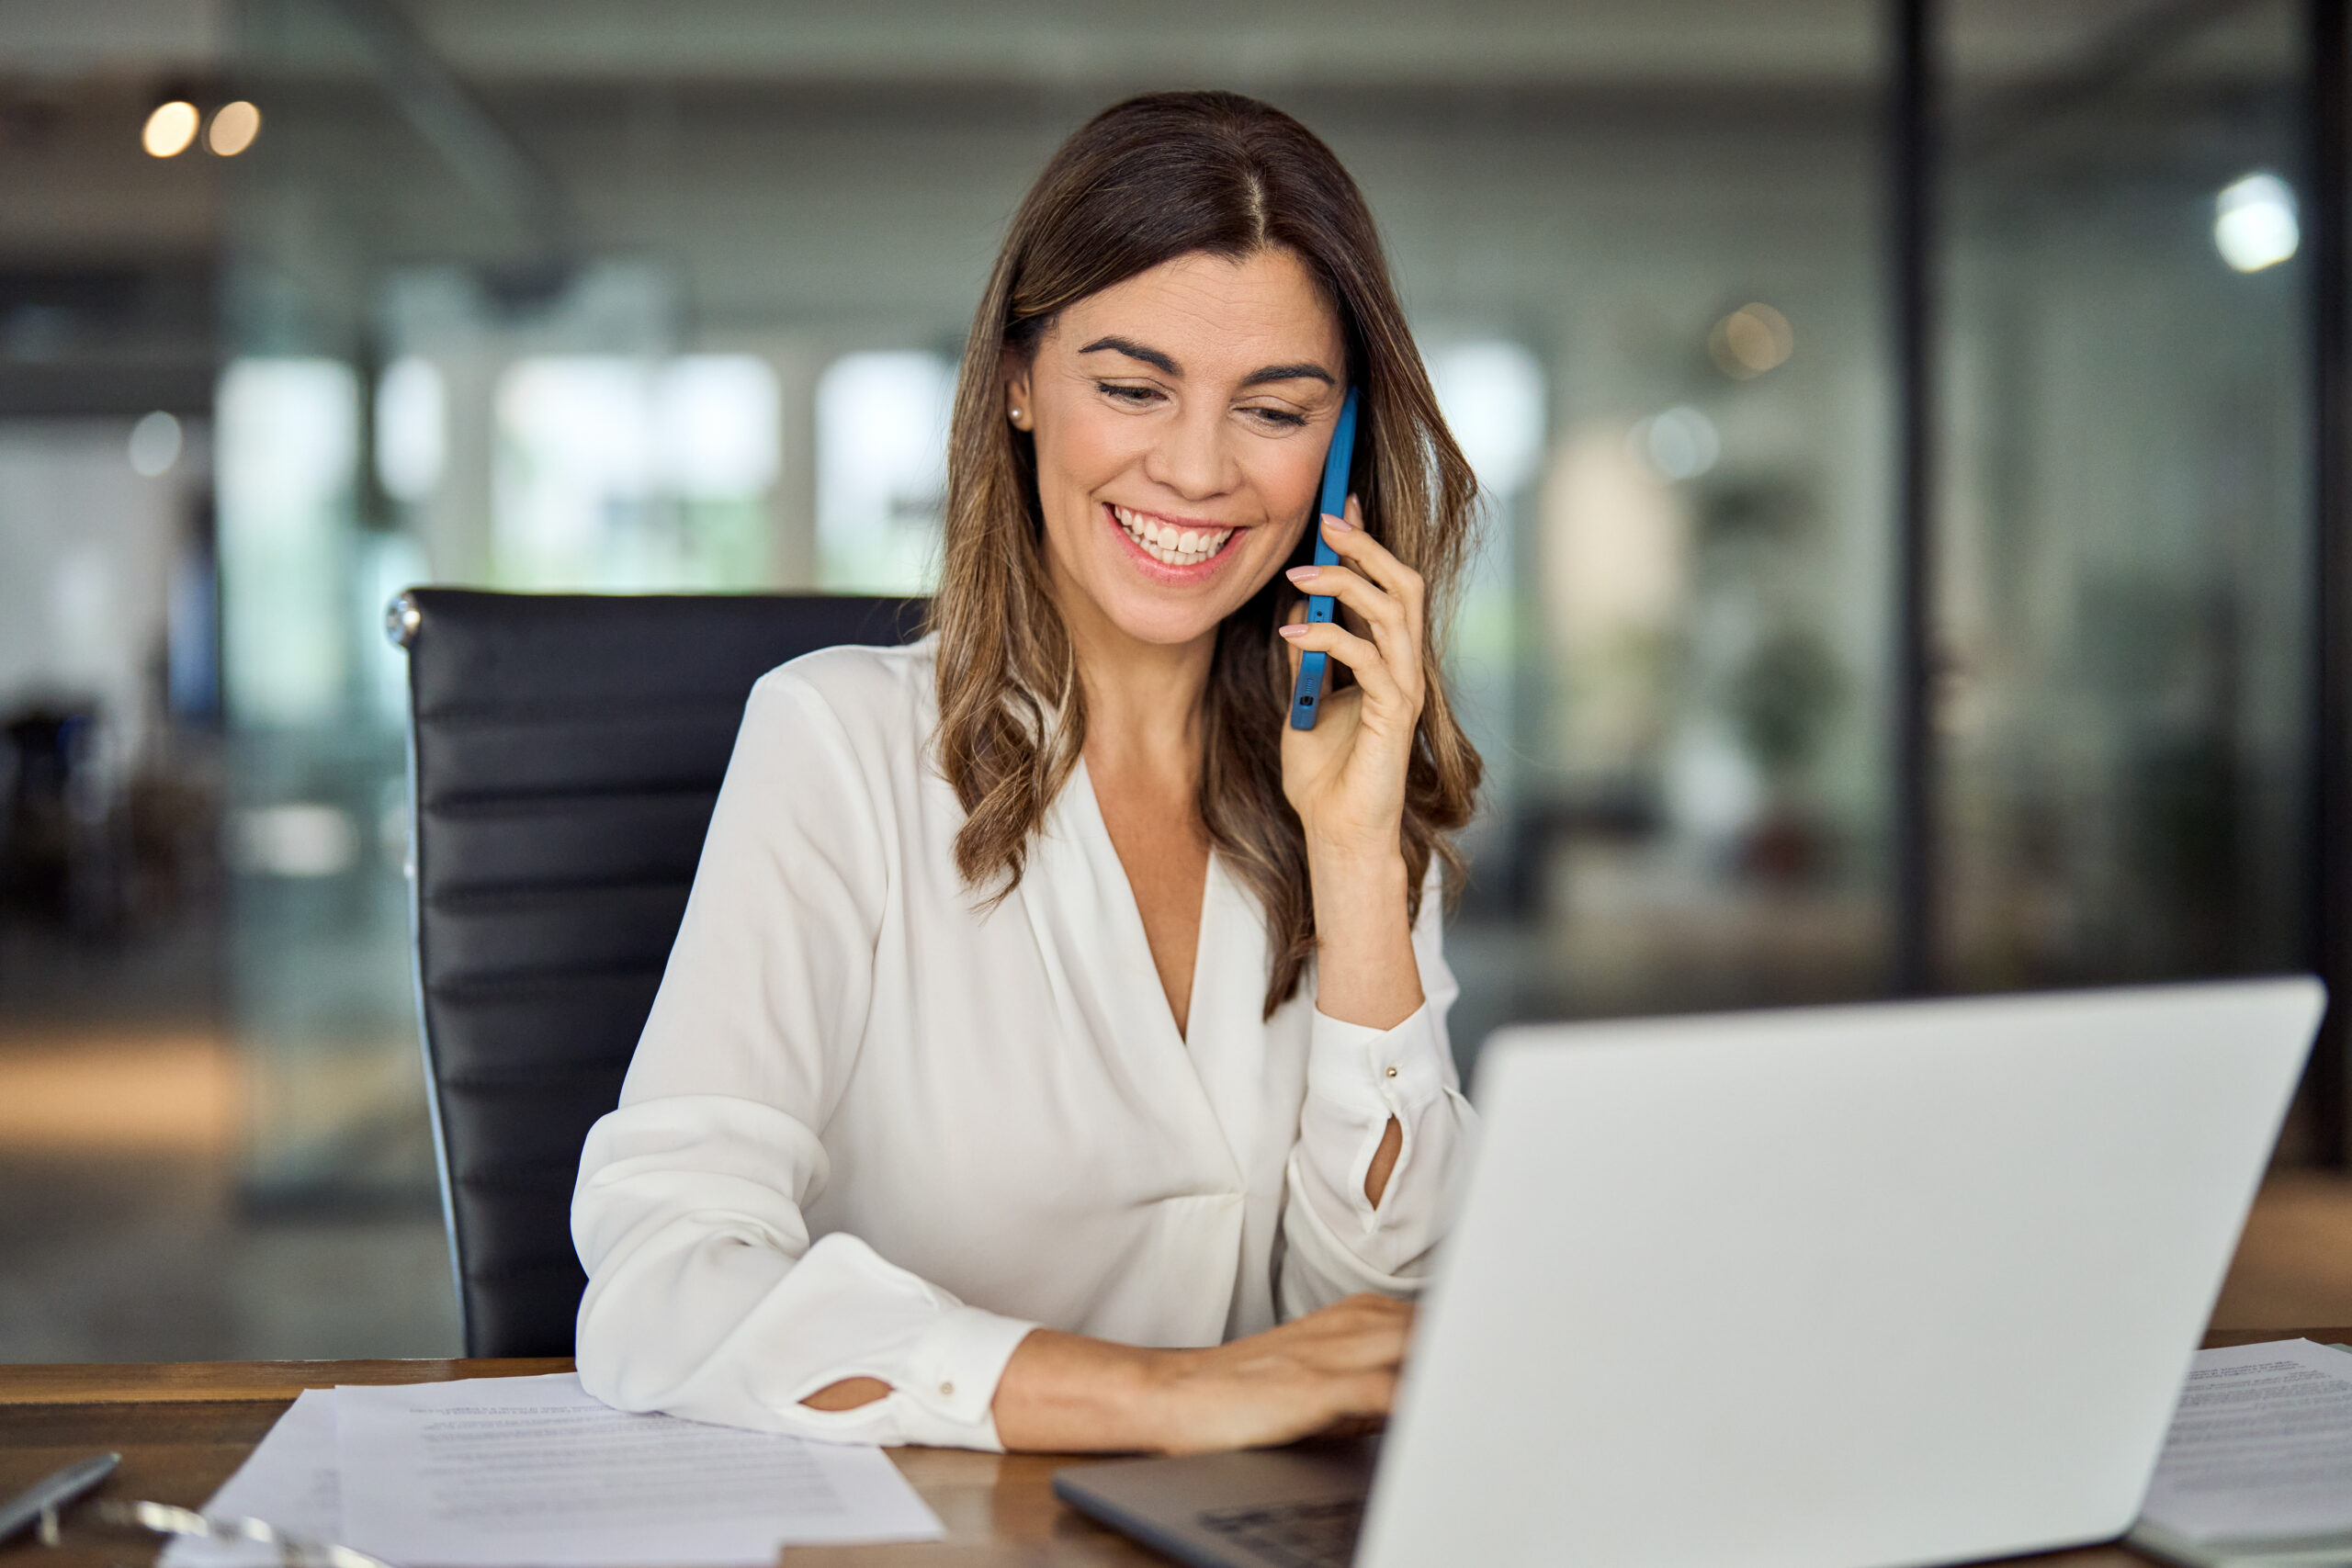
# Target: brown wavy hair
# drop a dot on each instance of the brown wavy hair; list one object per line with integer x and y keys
{"x": 1146, "y": 180}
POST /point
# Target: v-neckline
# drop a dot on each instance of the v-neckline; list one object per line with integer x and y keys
{"x": 1142, "y": 935}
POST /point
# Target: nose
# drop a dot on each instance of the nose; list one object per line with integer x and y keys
{"x": 1191, "y": 458}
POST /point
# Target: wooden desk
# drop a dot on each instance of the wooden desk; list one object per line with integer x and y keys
{"x": 182, "y": 1429}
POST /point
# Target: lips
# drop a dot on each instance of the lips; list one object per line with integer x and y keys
{"x": 1168, "y": 543}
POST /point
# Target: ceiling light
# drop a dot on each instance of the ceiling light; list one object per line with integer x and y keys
{"x": 234, "y": 126}
{"x": 1751, "y": 340}
{"x": 169, "y": 129}
{"x": 2254, "y": 222}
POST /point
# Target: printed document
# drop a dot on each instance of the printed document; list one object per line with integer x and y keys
{"x": 534, "y": 1473}
{"x": 2260, "y": 1447}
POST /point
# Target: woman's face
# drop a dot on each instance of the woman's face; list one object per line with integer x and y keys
{"x": 1180, "y": 420}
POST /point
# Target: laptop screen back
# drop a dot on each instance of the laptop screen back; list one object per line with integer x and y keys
{"x": 1835, "y": 1287}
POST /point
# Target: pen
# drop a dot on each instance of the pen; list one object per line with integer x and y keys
{"x": 54, "y": 1492}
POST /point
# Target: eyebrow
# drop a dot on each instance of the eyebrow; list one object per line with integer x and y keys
{"x": 1134, "y": 350}
{"x": 1302, "y": 371}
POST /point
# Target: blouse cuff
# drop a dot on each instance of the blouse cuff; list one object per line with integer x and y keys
{"x": 1376, "y": 1073}
{"x": 948, "y": 1395}
{"x": 1358, "y": 1078}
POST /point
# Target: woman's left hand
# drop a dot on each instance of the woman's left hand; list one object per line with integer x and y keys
{"x": 1346, "y": 776}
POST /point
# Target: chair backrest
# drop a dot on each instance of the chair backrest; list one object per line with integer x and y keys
{"x": 564, "y": 757}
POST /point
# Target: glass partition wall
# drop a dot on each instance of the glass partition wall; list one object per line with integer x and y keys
{"x": 2125, "y": 620}
{"x": 624, "y": 300}
{"x": 2125, "y": 545}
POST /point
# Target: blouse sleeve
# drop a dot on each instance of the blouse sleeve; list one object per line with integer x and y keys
{"x": 705, "y": 1297}
{"x": 1336, "y": 1243}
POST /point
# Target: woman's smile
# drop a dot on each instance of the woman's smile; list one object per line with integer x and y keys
{"x": 1171, "y": 549}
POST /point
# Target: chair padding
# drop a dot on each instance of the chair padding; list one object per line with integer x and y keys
{"x": 565, "y": 755}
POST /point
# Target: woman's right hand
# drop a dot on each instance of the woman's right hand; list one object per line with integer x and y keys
{"x": 1337, "y": 1367}
{"x": 1334, "y": 1368}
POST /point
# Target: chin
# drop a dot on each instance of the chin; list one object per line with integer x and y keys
{"x": 1154, "y": 620}
{"x": 1156, "y": 614}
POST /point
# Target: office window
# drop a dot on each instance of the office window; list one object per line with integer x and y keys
{"x": 625, "y": 474}
{"x": 411, "y": 428}
{"x": 288, "y": 435}
{"x": 882, "y": 422}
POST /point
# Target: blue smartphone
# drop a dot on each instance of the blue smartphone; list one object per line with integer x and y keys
{"x": 1332, "y": 503}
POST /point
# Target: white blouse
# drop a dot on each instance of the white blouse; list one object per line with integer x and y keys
{"x": 871, "y": 1131}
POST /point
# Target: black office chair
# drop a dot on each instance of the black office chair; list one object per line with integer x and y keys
{"x": 564, "y": 757}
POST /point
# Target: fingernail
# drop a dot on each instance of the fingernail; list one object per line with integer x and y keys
{"x": 1338, "y": 524}
{"x": 1293, "y": 633}
{"x": 1301, "y": 573}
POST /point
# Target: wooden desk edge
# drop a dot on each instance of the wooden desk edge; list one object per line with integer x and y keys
{"x": 179, "y": 1382}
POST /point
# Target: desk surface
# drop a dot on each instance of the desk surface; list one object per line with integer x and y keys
{"x": 182, "y": 1429}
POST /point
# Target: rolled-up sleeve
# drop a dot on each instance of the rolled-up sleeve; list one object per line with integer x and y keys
{"x": 706, "y": 1297}
{"x": 1337, "y": 1242}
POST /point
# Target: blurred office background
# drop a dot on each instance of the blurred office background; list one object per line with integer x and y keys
{"x": 302, "y": 301}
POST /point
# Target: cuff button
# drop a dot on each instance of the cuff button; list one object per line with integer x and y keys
{"x": 947, "y": 1391}
{"x": 1392, "y": 1072}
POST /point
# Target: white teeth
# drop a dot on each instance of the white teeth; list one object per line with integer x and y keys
{"x": 1167, "y": 543}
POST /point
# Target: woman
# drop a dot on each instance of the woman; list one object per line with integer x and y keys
{"x": 1052, "y": 1053}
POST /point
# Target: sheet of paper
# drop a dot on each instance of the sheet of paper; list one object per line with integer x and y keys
{"x": 287, "y": 1479}
{"x": 534, "y": 1473}
{"x": 2260, "y": 1446}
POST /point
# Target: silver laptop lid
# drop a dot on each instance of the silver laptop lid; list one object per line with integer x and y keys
{"x": 1840, "y": 1288}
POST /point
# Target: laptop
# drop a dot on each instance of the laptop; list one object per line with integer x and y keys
{"x": 1839, "y": 1287}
